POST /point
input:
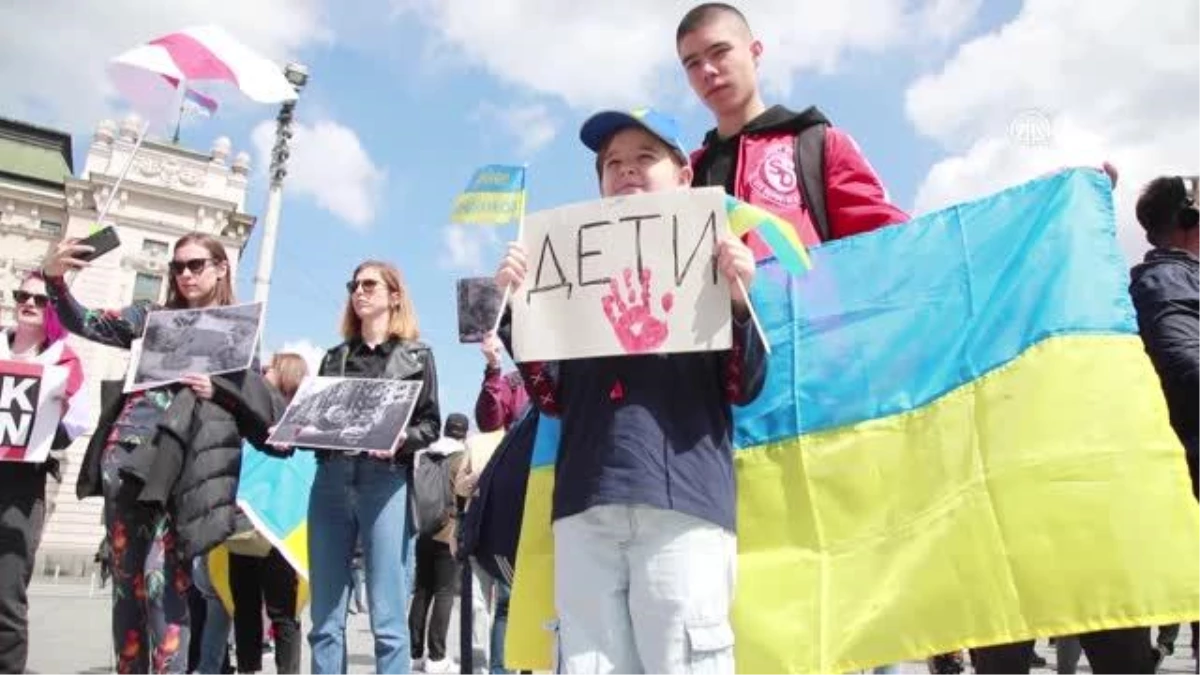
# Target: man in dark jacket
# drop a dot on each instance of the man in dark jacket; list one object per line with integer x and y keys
{"x": 1166, "y": 294}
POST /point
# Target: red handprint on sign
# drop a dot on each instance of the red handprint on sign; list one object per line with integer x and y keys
{"x": 637, "y": 329}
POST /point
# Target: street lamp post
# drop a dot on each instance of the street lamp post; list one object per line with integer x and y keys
{"x": 297, "y": 75}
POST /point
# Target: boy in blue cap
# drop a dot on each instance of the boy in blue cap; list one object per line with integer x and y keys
{"x": 644, "y": 498}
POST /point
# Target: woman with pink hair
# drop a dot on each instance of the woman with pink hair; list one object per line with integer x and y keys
{"x": 39, "y": 338}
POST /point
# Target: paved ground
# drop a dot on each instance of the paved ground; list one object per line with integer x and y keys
{"x": 70, "y": 634}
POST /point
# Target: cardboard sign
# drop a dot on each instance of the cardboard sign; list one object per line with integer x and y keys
{"x": 621, "y": 276}
{"x": 31, "y": 405}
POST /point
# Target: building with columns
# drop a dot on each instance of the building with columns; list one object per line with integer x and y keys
{"x": 169, "y": 191}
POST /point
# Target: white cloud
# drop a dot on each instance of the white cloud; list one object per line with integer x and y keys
{"x": 311, "y": 352}
{"x": 622, "y": 52}
{"x": 531, "y": 125}
{"x": 1057, "y": 87}
{"x": 468, "y": 247}
{"x": 53, "y": 53}
{"x": 329, "y": 164}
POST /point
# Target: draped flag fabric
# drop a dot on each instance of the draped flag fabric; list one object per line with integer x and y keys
{"x": 961, "y": 442}
{"x": 495, "y": 196}
{"x": 273, "y": 493}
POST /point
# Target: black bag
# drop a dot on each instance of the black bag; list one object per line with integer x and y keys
{"x": 432, "y": 496}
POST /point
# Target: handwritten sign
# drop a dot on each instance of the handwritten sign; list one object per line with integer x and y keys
{"x": 625, "y": 275}
{"x": 30, "y": 408}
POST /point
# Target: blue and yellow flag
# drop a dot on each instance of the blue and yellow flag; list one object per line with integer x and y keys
{"x": 273, "y": 493}
{"x": 495, "y": 196}
{"x": 961, "y": 442}
{"x": 790, "y": 253}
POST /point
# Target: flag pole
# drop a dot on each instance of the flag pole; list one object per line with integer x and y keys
{"x": 179, "y": 115}
{"x": 124, "y": 172}
{"x": 762, "y": 334}
{"x": 520, "y": 232}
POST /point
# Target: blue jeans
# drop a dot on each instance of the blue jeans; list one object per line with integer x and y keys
{"x": 356, "y": 497}
{"x": 499, "y": 626}
{"x": 214, "y": 640}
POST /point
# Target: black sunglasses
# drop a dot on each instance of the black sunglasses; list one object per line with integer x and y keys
{"x": 22, "y": 297}
{"x": 368, "y": 285}
{"x": 195, "y": 265}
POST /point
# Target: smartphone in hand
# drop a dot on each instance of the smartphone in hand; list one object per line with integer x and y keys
{"x": 101, "y": 241}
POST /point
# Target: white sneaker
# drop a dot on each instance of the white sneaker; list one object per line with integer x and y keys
{"x": 418, "y": 665}
{"x": 439, "y": 667}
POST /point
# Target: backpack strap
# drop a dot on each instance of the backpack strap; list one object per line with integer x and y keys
{"x": 810, "y": 168}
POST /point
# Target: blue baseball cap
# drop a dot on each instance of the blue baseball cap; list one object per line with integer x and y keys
{"x": 600, "y": 127}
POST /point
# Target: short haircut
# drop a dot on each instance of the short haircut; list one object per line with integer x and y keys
{"x": 701, "y": 15}
{"x": 1160, "y": 205}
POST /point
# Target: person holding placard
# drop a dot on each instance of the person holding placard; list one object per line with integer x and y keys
{"x": 165, "y": 459}
{"x": 365, "y": 495}
{"x": 25, "y": 506}
{"x": 643, "y": 515}
{"x": 502, "y": 397}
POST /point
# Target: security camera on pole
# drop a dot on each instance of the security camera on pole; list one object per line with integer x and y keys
{"x": 297, "y": 75}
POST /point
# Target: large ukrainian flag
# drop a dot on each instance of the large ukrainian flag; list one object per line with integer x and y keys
{"x": 961, "y": 442}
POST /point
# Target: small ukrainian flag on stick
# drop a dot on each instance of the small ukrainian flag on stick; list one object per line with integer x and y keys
{"x": 779, "y": 234}
{"x": 495, "y": 196}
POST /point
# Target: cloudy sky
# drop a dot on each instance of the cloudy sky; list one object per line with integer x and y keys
{"x": 949, "y": 99}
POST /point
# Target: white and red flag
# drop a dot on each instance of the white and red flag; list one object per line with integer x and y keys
{"x": 149, "y": 76}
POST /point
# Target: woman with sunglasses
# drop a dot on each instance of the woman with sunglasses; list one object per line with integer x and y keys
{"x": 165, "y": 460}
{"x": 38, "y": 338}
{"x": 365, "y": 496}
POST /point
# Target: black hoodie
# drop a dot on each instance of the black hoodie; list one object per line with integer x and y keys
{"x": 718, "y": 165}
{"x": 1166, "y": 294}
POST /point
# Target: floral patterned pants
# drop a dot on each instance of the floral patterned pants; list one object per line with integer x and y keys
{"x": 150, "y": 620}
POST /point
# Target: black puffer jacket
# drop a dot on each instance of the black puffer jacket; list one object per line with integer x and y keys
{"x": 1166, "y": 294}
{"x": 191, "y": 467}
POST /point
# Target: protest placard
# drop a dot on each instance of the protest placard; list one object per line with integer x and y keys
{"x": 31, "y": 405}
{"x": 207, "y": 341}
{"x": 348, "y": 414}
{"x": 478, "y": 306}
{"x": 624, "y": 275}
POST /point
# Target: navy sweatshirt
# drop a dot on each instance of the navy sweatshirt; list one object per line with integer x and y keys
{"x": 653, "y": 430}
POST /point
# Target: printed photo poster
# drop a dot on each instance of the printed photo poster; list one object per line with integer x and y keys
{"x": 478, "y": 306}
{"x": 624, "y": 275}
{"x": 31, "y": 405}
{"x": 207, "y": 341}
{"x": 348, "y": 414}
